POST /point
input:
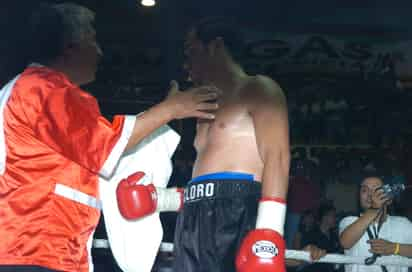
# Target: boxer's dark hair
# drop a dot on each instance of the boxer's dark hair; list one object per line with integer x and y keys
{"x": 208, "y": 29}
{"x": 51, "y": 27}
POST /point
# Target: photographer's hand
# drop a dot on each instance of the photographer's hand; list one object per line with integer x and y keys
{"x": 382, "y": 247}
{"x": 380, "y": 199}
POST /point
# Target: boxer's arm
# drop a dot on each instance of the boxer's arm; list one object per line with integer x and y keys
{"x": 270, "y": 118}
{"x": 263, "y": 249}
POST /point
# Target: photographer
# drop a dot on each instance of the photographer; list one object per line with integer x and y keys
{"x": 375, "y": 231}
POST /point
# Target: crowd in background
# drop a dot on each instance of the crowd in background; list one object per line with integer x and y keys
{"x": 354, "y": 115}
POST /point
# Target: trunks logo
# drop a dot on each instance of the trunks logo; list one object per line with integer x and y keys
{"x": 265, "y": 249}
{"x": 199, "y": 191}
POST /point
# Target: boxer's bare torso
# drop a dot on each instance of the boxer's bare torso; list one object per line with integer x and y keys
{"x": 228, "y": 143}
{"x": 250, "y": 131}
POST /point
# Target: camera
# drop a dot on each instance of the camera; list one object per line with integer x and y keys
{"x": 392, "y": 190}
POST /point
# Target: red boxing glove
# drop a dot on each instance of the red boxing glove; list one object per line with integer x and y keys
{"x": 263, "y": 249}
{"x": 138, "y": 200}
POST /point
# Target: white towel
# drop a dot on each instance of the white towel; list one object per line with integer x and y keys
{"x": 135, "y": 244}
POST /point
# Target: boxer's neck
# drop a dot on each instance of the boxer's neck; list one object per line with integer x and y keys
{"x": 228, "y": 76}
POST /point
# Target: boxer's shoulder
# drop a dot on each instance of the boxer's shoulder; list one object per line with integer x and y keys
{"x": 261, "y": 90}
{"x": 260, "y": 85}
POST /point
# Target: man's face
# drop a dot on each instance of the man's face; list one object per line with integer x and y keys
{"x": 368, "y": 186}
{"x": 85, "y": 57}
{"x": 196, "y": 58}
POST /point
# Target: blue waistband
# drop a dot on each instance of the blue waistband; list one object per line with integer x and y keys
{"x": 224, "y": 176}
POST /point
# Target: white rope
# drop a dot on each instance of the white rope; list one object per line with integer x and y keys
{"x": 344, "y": 259}
{"x": 303, "y": 256}
{"x": 329, "y": 258}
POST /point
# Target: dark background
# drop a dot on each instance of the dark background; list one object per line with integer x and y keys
{"x": 142, "y": 45}
{"x": 318, "y": 51}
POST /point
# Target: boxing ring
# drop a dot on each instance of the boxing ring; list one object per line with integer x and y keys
{"x": 302, "y": 256}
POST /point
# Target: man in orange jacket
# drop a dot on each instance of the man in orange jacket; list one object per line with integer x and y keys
{"x": 54, "y": 143}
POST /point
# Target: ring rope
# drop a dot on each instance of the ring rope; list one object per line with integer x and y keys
{"x": 344, "y": 259}
{"x": 329, "y": 258}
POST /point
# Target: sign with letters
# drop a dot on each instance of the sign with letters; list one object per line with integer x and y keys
{"x": 319, "y": 54}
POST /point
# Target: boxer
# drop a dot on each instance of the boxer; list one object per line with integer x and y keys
{"x": 243, "y": 154}
{"x": 234, "y": 206}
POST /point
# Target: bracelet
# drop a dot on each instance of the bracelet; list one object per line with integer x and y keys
{"x": 397, "y": 249}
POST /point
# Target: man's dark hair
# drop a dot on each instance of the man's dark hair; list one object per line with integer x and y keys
{"x": 45, "y": 39}
{"x": 371, "y": 174}
{"x": 52, "y": 26}
{"x": 209, "y": 29}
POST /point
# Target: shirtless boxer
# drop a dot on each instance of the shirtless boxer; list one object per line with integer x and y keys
{"x": 235, "y": 203}
{"x": 234, "y": 206}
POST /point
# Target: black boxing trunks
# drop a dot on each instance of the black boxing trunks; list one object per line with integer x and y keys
{"x": 219, "y": 209}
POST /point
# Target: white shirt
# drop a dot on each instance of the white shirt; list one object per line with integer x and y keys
{"x": 395, "y": 229}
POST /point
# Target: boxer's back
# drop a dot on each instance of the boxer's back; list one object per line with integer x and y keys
{"x": 229, "y": 142}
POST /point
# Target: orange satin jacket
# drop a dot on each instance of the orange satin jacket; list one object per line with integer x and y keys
{"x": 57, "y": 144}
